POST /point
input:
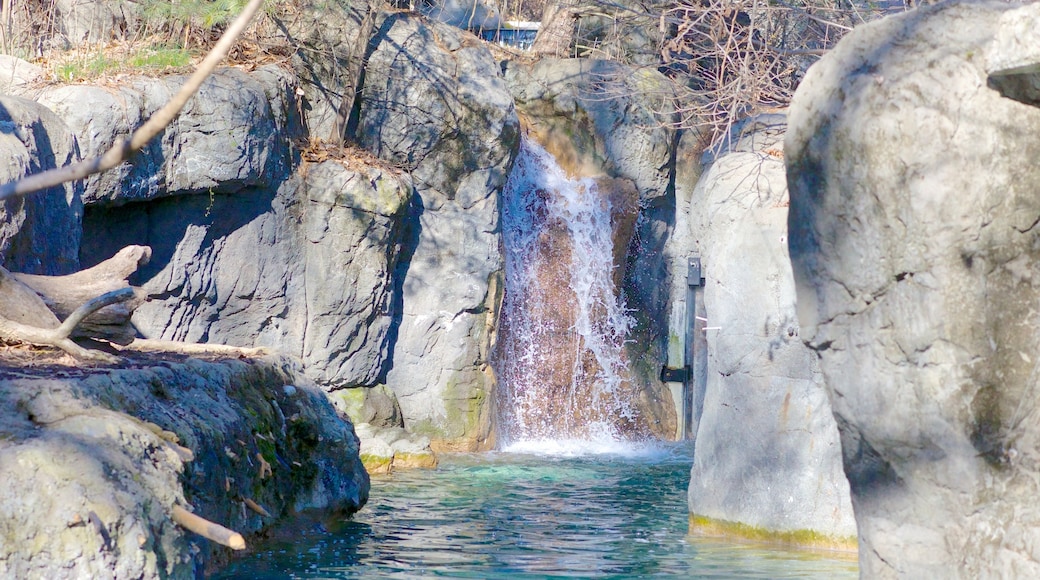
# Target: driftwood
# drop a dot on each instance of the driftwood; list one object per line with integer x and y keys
{"x": 208, "y": 529}
{"x": 256, "y": 507}
{"x": 95, "y": 303}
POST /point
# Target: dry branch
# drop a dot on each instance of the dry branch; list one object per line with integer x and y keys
{"x": 64, "y": 294}
{"x": 208, "y": 529}
{"x": 25, "y": 318}
{"x": 122, "y": 150}
{"x": 256, "y": 507}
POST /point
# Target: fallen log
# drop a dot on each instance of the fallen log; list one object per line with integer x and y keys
{"x": 95, "y": 304}
{"x": 63, "y": 294}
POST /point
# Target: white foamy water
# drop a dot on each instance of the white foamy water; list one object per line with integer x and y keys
{"x": 541, "y": 204}
{"x": 582, "y": 447}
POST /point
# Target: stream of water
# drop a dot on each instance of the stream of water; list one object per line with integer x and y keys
{"x": 618, "y": 513}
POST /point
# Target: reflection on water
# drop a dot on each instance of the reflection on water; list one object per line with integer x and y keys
{"x": 521, "y": 515}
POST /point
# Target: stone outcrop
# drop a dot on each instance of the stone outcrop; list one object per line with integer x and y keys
{"x": 912, "y": 168}
{"x": 379, "y": 423}
{"x": 292, "y": 255}
{"x": 766, "y": 449}
{"x": 234, "y": 134}
{"x": 38, "y": 234}
{"x": 433, "y": 103}
{"x": 94, "y": 461}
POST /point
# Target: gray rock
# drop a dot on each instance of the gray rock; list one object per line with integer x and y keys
{"x": 233, "y": 134}
{"x": 766, "y": 448}
{"x": 329, "y": 42}
{"x": 376, "y": 406}
{"x": 305, "y": 270}
{"x": 17, "y": 75}
{"x": 67, "y": 24}
{"x": 94, "y": 461}
{"x": 384, "y": 449}
{"x": 433, "y": 103}
{"x": 353, "y": 227}
{"x": 40, "y": 233}
{"x": 913, "y": 212}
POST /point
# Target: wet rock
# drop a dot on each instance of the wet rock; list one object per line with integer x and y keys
{"x": 93, "y": 461}
{"x": 384, "y": 449}
{"x": 595, "y": 119}
{"x": 766, "y": 449}
{"x": 913, "y": 183}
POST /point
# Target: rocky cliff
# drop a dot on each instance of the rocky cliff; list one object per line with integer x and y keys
{"x": 912, "y": 170}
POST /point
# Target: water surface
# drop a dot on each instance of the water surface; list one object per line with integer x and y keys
{"x": 615, "y": 512}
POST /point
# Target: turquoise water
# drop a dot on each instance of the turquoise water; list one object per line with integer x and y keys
{"x": 517, "y": 515}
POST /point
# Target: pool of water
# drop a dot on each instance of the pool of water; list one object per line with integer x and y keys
{"x": 545, "y": 512}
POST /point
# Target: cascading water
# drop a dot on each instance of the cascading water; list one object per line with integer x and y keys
{"x": 561, "y": 362}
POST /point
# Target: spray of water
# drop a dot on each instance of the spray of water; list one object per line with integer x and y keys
{"x": 561, "y": 362}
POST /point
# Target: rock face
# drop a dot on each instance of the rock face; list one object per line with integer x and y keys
{"x": 234, "y": 134}
{"x": 912, "y": 235}
{"x": 94, "y": 461}
{"x": 593, "y": 131}
{"x": 766, "y": 449}
{"x": 39, "y": 234}
{"x": 296, "y": 258}
{"x": 434, "y": 104}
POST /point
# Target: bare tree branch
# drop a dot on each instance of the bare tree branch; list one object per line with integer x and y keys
{"x": 122, "y": 151}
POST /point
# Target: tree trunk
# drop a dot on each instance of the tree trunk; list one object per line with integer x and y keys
{"x": 556, "y": 35}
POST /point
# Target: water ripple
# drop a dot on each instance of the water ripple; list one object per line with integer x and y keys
{"x": 523, "y": 516}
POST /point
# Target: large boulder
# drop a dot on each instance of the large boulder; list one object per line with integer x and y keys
{"x": 305, "y": 269}
{"x": 94, "y": 462}
{"x": 433, "y": 103}
{"x": 247, "y": 249}
{"x": 328, "y": 42}
{"x": 40, "y": 233}
{"x": 66, "y": 24}
{"x": 233, "y": 134}
{"x": 912, "y": 168}
{"x": 766, "y": 449}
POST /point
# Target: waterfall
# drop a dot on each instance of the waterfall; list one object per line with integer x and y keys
{"x": 561, "y": 362}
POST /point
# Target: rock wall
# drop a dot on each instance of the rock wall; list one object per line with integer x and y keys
{"x": 252, "y": 246}
{"x": 373, "y": 271}
{"x": 38, "y": 234}
{"x": 93, "y": 462}
{"x": 912, "y": 169}
{"x": 433, "y": 103}
{"x": 766, "y": 449}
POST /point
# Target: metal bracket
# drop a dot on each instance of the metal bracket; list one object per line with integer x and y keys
{"x": 693, "y": 272}
{"x": 675, "y": 374}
